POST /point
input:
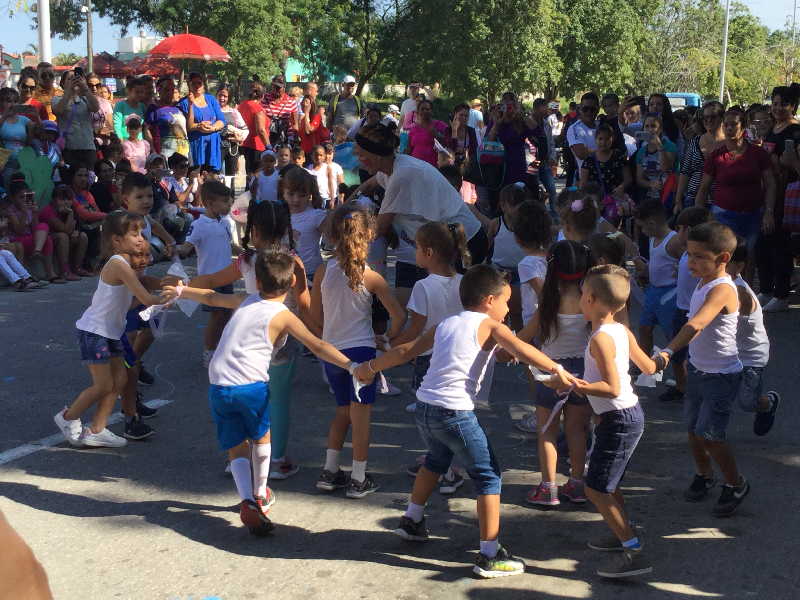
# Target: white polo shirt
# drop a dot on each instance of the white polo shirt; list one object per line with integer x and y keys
{"x": 212, "y": 239}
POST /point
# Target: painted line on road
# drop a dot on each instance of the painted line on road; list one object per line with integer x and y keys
{"x": 56, "y": 439}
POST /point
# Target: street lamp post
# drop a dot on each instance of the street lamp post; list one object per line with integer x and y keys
{"x": 724, "y": 51}
{"x": 43, "y": 16}
{"x": 87, "y": 10}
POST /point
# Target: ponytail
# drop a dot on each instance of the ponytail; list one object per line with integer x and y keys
{"x": 448, "y": 242}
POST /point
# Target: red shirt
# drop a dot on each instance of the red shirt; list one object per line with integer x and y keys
{"x": 309, "y": 140}
{"x": 85, "y": 208}
{"x": 40, "y": 108}
{"x": 738, "y": 179}
{"x": 249, "y": 109}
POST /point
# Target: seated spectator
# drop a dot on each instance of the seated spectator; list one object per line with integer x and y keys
{"x": 181, "y": 182}
{"x": 89, "y": 216}
{"x": 69, "y": 242}
{"x": 166, "y": 209}
{"x": 104, "y": 190}
{"x": 44, "y": 143}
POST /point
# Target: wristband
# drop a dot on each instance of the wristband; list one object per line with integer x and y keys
{"x": 369, "y": 366}
{"x": 351, "y": 368}
{"x": 179, "y": 289}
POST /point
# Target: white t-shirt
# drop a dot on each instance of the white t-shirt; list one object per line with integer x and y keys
{"x": 530, "y": 267}
{"x": 306, "y": 233}
{"x": 408, "y": 110}
{"x": 212, "y": 240}
{"x": 338, "y": 173}
{"x": 323, "y": 183}
{"x": 580, "y": 133}
{"x": 475, "y": 117}
{"x": 267, "y": 186}
{"x": 436, "y": 297}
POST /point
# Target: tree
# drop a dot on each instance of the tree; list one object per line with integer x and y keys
{"x": 66, "y": 59}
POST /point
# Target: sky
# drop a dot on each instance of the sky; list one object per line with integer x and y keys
{"x": 16, "y": 38}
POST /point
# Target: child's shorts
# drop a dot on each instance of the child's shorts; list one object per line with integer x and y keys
{"x": 659, "y": 307}
{"x": 615, "y": 439}
{"x": 96, "y": 349}
{"x": 225, "y": 289}
{"x": 421, "y": 365}
{"x": 342, "y": 382}
{"x": 708, "y": 402}
{"x": 450, "y": 434}
{"x": 750, "y": 389}
{"x": 128, "y": 355}
{"x": 241, "y": 412}
{"x": 679, "y": 320}
{"x": 547, "y": 397}
{"x": 133, "y": 322}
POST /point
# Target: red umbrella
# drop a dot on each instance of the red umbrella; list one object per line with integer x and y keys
{"x": 154, "y": 66}
{"x": 105, "y": 65}
{"x": 189, "y": 46}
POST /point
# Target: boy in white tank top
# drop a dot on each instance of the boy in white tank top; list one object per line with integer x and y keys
{"x": 715, "y": 371}
{"x": 463, "y": 349}
{"x": 239, "y": 376}
{"x": 753, "y": 346}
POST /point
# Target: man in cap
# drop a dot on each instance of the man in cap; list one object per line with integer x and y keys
{"x": 392, "y": 115}
{"x": 345, "y": 107}
{"x": 281, "y": 108}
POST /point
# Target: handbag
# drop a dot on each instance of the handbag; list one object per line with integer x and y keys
{"x": 791, "y": 208}
{"x": 612, "y": 208}
{"x": 488, "y": 168}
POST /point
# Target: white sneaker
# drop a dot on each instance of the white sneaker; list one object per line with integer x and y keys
{"x": 104, "y": 439}
{"x": 763, "y": 298}
{"x": 207, "y": 356}
{"x": 776, "y": 305}
{"x": 411, "y": 407}
{"x": 70, "y": 428}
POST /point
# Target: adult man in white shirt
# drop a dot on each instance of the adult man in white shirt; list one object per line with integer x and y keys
{"x": 475, "y": 119}
{"x": 580, "y": 135}
{"x": 408, "y": 110}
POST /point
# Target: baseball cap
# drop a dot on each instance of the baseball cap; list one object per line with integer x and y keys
{"x": 267, "y": 153}
{"x": 554, "y": 105}
{"x": 393, "y": 108}
{"x": 349, "y": 79}
{"x": 50, "y": 126}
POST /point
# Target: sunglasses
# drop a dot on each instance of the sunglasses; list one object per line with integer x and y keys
{"x": 47, "y": 75}
{"x": 93, "y": 85}
{"x": 30, "y": 88}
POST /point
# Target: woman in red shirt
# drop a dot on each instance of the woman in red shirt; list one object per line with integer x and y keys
{"x": 258, "y": 123}
{"x": 310, "y": 125}
{"x": 88, "y": 215}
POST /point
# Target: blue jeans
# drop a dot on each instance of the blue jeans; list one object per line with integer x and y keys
{"x": 615, "y": 439}
{"x": 743, "y": 224}
{"x": 708, "y": 402}
{"x": 548, "y": 181}
{"x": 457, "y": 433}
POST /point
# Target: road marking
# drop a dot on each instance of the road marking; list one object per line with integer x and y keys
{"x": 56, "y": 439}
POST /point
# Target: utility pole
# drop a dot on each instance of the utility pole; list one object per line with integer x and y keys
{"x": 89, "y": 36}
{"x": 43, "y": 16}
{"x": 725, "y": 51}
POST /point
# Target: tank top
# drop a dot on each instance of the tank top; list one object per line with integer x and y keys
{"x": 751, "y": 335}
{"x": 686, "y": 283}
{"x": 663, "y": 268}
{"x": 245, "y": 351}
{"x": 713, "y": 350}
{"x": 591, "y": 373}
{"x": 507, "y": 252}
{"x": 572, "y": 338}
{"x": 347, "y": 314}
{"x": 268, "y": 187}
{"x": 106, "y": 314}
{"x": 458, "y": 364}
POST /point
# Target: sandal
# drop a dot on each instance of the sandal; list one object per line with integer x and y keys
{"x": 36, "y": 283}
{"x": 23, "y": 286}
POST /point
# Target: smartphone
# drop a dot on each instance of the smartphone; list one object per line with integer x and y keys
{"x": 78, "y": 71}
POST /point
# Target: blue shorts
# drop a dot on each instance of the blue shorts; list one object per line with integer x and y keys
{"x": 659, "y": 307}
{"x": 457, "y": 433}
{"x": 128, "y": 355}
{"x": 679, "y": 320}
{"x": 750, "y": 389}
{"x": 96, "y": 349}
{"x": 708, "y": 402}
{"x": 548, "y": 398}
{"x": 133, "y": 322}
{"x": 744, "y": 224}
{"x": 241, "y": 412}
{"x": 615, "y": 439}
{"x": 342, "y": 382}
{"x": 225, "y": 289}
{"x": 407, "y": 274}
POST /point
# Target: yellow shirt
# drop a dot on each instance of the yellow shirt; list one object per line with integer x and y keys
{"x": 46, "y": 98}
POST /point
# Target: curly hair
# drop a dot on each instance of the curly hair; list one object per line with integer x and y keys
{"x": 352, "y": 231}
{"x": 533, "y": 227}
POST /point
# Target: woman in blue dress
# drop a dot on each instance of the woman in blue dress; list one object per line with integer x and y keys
{"x": 204, "y": 122}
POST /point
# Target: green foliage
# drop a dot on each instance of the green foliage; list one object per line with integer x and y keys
{"x": 66, "y": 59}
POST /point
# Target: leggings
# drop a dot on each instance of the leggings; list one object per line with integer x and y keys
{"x": 280, "y": 386}
{"x": 775, "y": 262}
{"x": 29, "y": 244}
{"x": 11, "y": 268}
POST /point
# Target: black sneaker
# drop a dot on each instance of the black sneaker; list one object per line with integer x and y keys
{"x": 502, "y": 565}
{"x": 699, "y": 488}
{"x": 136, "y": 429}
{"x": 672, "y": 395}
{"x": 143, "y": 410}
{"x": 630, "y": 564}
{"x": 411, "y": 531}
{"x": 359, "y": 489}
{"x": 765, "y": 420}
{"x": 731, "y": 497}
{"x": 145, "y": 378}
{"x": 331, "y": 481}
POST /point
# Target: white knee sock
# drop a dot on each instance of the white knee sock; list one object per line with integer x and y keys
{"x": 332, "y": 460}
{"x": 240, "y": 469}
{"x": 359, "y": 470}
{"x": 415, "y": 512}
{"x": 261, "y": 454}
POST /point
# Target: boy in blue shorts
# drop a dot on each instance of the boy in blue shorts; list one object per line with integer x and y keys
{"x": 239, "y": 376}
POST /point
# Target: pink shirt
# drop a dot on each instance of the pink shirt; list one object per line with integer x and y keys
{"x": 137, "y": 152}
{"x": 420, "y": 142}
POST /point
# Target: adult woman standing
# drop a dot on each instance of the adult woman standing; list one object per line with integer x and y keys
{"x": 16, "y": 131}
{"x": 103, "y": 119}
{"x": 699, "y": 147}
{"x": 135, "y": 91}
{"x": 462, "y": 140}
{"x": 423, "y": 135}
{"x": 234, "y": 134}
{"x": 47, "y": 89}
{"x": 659, "y": 104}
{"x": 257, "y": 123}
{"x": 513, "y": 129}
{"x": 27, "y": 87}
{"x": 167, "y": 122}
{"x": 773, "y": 249}
{"x": 745, "y": 183}
{"x": 74, "y": 111}
{"x": 205, "y": 121}
{"x": 310, "y": 125}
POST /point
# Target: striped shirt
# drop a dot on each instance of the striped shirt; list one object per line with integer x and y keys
{"x": 282, "y": 107}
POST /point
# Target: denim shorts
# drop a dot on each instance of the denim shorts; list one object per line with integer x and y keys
{"x": 96, "y": 349}
{"x": 659, "y": 307}
{"x": 744, "y": 224}
{"x": 225, "y": 289}
{"x": 750, "y": 389}
{"x": 407, "y": 274}
{"x": 342, "y": 382}
{"x": 421, "y": 365}
{"x": 547, "y": 397}
{"x": 615, "y": 439}
{"x": 241, "y": 412}
{"x": 679, "y": 320}
{"x": 708, "y": 402}
{"x": 457, "y": 434}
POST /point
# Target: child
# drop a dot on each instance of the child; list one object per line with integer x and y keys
{"x": 298, "y": 157}
{"x": 99, "y": 332}
{"x": 13, "y": 270}
{"x": 32, "y": 235}
{"x": 655, "y": 158}
{"x": 135, "y": 149}
{"x": 560, "y": 328}
{"x": 341, "y": 300}
{"x": 284, "y": 157}
{"x": 715, "y": 370}
{"x": 268, "y": 228}
{"x": 239, "y": 391}
{"x": 308, "y": 223}
{"x": 463, "y": 347}
{"x": 753, "y": 345}
{"x": 533, "y": 231}
{"x": 210, "y": 236}
{"x": 609, "y": 249}
{"x": 183, "y": 184}
{"x": 439, "y": 248}
{"x": 579, "y": 216}
{"x": 665, "y": 251}
{"x": 265, "y": 181}
{"x": 607, "y": 385}
{"x": 326, "y": 180}
{"x": 338, "y": 172}
{"x": 686, "y": 284}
